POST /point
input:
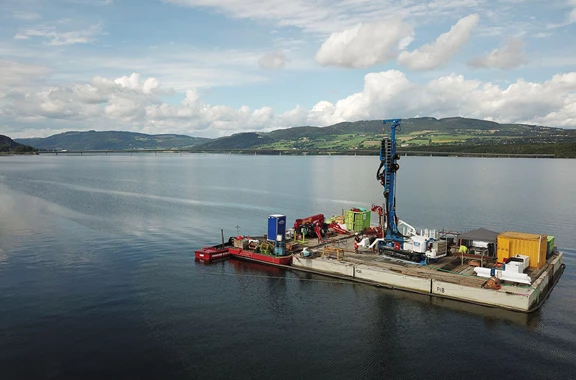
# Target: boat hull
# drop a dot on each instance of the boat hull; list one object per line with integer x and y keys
{"x": 267, "y": 259}
{"x": 210, "y": 254}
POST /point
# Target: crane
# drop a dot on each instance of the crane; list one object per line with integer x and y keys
{"x": 386, "y": 174}
{"x": 393, "y": 242}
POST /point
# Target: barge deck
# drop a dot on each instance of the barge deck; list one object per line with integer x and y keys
{"x": 445, "y": 278}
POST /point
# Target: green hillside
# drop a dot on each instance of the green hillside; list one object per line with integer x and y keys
{"x": 7, "y": 145}
{"x": 559, "y": 149}
{"x": 416, "y": 134}
{"x": 112, "y": 140}
{"x": 248, "y": 140}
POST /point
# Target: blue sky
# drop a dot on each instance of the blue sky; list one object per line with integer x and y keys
{"x": 216, "y": 67}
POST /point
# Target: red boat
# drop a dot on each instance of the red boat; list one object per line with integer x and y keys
{"x": 260, "y": 257}
{"x": 209, "y": 254}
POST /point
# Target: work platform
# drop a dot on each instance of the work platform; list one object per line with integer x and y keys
{"x": 336, "y": 257}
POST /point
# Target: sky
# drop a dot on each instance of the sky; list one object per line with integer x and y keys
{"x": 211, "y": 68}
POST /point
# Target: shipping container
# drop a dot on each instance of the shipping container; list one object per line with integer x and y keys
{"x": 357, "y": 219}
{"x": 519, "y": 243}
{"x": 550, "y": 248}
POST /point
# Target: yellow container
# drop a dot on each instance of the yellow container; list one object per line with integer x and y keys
{"x": 520, "y": 243}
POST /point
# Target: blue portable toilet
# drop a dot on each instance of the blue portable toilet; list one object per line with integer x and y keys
{"x": 276, "y": 226}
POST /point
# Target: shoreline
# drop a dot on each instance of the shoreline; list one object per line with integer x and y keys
{"x": 292, "y": 152}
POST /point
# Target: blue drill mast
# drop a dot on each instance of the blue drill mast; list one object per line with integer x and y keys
{"x": 386, "y": 174}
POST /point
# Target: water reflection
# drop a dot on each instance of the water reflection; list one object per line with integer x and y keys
{"x": 389, "y": 297}
{"x": 97, "y": 269}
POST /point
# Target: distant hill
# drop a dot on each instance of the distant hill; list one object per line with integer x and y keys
{"x": 9, "y": 145}
{"x": 367, "y": 135}
{"x": 112, "y": 140}
{"x": 248, "y": 140}
{"x": 6, "y": 141}
{"x": 415, "y": 133}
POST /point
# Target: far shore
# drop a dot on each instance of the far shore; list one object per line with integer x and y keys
{"x": 294, "y": 152}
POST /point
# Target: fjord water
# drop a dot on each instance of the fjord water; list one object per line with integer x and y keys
{"x": 98, "y": 279}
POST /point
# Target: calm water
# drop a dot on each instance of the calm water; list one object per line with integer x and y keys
{"x": 98, "y": 279}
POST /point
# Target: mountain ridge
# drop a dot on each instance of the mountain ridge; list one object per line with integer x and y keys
{"x": 112, "y": 140}
{"x": 363, "y": 134}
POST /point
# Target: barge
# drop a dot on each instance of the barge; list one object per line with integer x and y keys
{"x": 259, "y": 257}
{"x": 261, "y": 249}
{"x": 450, "y": 277}
{"x": 508, "y": 270}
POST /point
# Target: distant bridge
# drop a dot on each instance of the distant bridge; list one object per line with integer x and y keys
{"x": 291, "y": 152}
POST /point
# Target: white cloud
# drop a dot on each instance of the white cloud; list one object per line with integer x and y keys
{"x": 129, "y": 102}
{"x": 133, "y": 82}
{"x": 294, "y": 117}
{"x": 364, "y": 45}
{"x": 56, "y": 38}
{"x": 126, "y": 103}
{"x": 386, "y": 93}
{"x": 26, "y": 16}
{"x": 508, "y": 56}
{"x": 19, "y": 74}
{"x": 103, "y": 83}
{"x": 125, "y": 108}
{"x": 300, "y": 13}
{"x": 570, "y": 17}
{"x": 123, "y": 99}
{"x": 88, "y": 94}
{"x": 327, "y": 16}
{"x": 382, "y": 92}
{"x": 272, "y": 60}
{"x": 542, "y": 35}
{"x": 439, "y": 52}
{"x": 262, "y": 116}
{"x": 92, "y": 2}
{"x": 181, "y": 66}
{"x": 192, "y": 115}
{"x": 178, "y": 67}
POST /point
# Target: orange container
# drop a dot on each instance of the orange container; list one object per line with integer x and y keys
{"x": 520, "y": 243}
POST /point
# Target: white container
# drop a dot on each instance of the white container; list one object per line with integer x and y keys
{"x": 418, "y": 243}
{"x": 517, "y": 264}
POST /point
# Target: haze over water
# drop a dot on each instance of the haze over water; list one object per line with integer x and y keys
{"x": 98, "y": 279}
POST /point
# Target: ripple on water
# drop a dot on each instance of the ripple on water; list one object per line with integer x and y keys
{"x": 97, "y": 273}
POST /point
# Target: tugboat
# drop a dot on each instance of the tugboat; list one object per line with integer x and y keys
{"x": 214, "y": 253}
{"x": 211, "y": 254}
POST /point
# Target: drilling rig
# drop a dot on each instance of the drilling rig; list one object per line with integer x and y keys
{"x": 413, "y": 247}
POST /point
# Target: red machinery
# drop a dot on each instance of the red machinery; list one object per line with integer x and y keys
{"x": 336, "y": 227}
{"x": 315, "y": 224}
{"x": 311, "y": 225}
{"x": 314, "y": 219}
{"x": 380, "y": 211}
